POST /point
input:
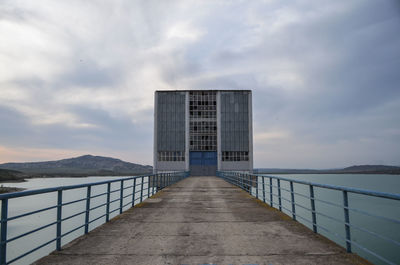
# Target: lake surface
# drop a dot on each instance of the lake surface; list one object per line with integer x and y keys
{"x": 22, "y": 205}
{"x": 376, "y": 206}
{"x": 330, "y": 218}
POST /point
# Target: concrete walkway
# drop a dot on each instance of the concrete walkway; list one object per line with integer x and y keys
{"x": 201, "y": 220}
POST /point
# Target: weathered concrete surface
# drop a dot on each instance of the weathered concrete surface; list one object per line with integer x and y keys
{"x": 202, "y": 220}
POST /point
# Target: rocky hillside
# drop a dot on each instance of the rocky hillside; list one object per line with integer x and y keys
{"x": 79, "y": 166}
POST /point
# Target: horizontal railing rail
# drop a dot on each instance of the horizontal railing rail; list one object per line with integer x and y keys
{"x": 143, "y": 186}
{"x": 269, "y": 189}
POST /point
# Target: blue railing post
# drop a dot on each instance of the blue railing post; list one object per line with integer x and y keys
{"x": 141, "y": 189}
{"x": 108, "y": 202}
{"x": 121, "y": 196}
{"x": 271, "y": 199}
{"x": 279, "y": 195}
{"x": 153, "y": 184}
{"x": 263, "y": 184}
{"x": 133, "y": 192}
{"x": 156, "y": 180}
{"x": 314, "y": 216}
{"x": 257, "y": 187}
{"x": 249, "y": 183}
{"x": 59, "y": 214}
{"x": 148, "y": 187}
{"x": 347, "y": 221}
{"x": 293, "y": 202}
{"x": 3, "y": 236}
{"x": 89, "y": 188}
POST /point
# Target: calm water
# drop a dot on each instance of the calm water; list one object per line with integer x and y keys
{"x": 336, "y": 231}
{"x": 377, "y": 206}
{"x": 22, "y": 205}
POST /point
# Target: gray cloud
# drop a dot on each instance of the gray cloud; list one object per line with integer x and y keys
{"x": 324, "y": 74}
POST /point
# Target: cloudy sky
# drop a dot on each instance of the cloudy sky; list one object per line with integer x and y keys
{"x": 78, "y": 77}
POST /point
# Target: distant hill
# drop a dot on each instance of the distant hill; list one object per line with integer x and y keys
{"x": 372, "y": 169}
{"x": 12, "y": 175}
{"x": 285, "y": 171}
{"x": 361, "y": 169}
{"x": 79, "y": 166}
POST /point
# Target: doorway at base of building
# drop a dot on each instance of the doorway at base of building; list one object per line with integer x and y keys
{"x": 203, "y": 163}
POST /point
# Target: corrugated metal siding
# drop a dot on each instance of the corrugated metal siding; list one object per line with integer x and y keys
{"x": 171, "y": 121}
{"x": 234, "y": 121}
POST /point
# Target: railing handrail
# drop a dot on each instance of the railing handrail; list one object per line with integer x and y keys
{"x": 249, "y": 181}
{"x": 155, "y": 182}
{"x": 387, "y": 195}
{"x": 68, "y": 187}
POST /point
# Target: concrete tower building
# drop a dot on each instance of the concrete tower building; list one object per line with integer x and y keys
{"x": 203, "y": 131}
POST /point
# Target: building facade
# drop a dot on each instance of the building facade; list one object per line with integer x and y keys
{"x": 203, "y": 131}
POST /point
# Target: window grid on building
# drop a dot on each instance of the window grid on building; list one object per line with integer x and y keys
{"x": 171, "y": 156}
{"x": 203, "y": 120}
{"x": 235, "y": 156}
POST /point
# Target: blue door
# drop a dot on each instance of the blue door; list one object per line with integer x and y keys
{"x": 203, "y": 163}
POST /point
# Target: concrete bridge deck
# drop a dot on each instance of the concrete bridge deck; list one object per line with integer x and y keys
{"x": 201, "y": 220}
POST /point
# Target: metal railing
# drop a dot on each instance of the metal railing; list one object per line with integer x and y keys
{"x": 270, "y": 188}
{"x": 155, "y": 182}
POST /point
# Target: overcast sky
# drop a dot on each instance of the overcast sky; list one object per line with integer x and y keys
{"x": 78, "y": 77}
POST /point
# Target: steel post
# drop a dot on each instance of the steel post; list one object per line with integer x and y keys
{"x": 108, "y": 202}
{"x": 263, "y": 184}
{"x": 271, "y": 199}
{"x": 121, "y": 196}
{"x": 89, "y": 188}
{"x": 148, "y": 187}
{"x": 293, "y": 202}
{"x": 3, "y": 236}
{"x": 141, "y": 189}
{"x": 314, "y": 216}
{"x": 347, "y": 221}
{"x": 59, "y": 214}
{"x": 133, "y": 192}
{"x": 256, "y": 187}
{"x": 279, "y": 195}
